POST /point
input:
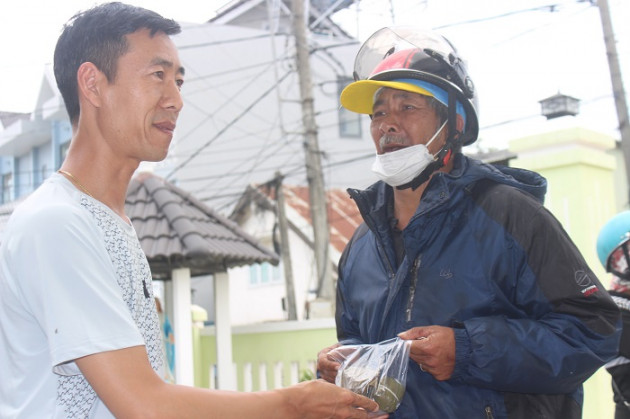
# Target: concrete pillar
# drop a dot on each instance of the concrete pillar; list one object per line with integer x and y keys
{"x": 225, "y": 375}
{"x": 182, "y": 327}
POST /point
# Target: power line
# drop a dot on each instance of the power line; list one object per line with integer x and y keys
{"x": 26, "y": 176}
{"x": 228, "y": 41}
{"x": 549, "y": 7}
{"x": 231, "y": 125}
{"x": 233, "y": 121}
{"x": 225, "y": 128}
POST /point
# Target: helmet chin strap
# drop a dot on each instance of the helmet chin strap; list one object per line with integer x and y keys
{"x": 443, "y": 156}
{"x": 440, "y": 160}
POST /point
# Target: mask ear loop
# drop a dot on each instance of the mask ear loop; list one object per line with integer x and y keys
{"x": 454, "y": 136}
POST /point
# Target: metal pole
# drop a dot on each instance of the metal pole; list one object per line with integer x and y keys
{"x": 617, "y": 84}
{"x": 314, "y": 175}
{"x": 285, "y": 252}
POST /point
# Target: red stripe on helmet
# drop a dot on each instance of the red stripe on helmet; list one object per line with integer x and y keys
{"x": 396, "y": 61}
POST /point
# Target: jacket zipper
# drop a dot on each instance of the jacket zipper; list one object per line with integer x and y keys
{"x": 412, "y": 286}
{"x": 381, "y": 250}
{"x": 361, "y": 205}
{"x": 489, "y": 414}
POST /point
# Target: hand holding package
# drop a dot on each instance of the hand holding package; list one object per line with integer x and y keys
{"x": 377, "y": 371}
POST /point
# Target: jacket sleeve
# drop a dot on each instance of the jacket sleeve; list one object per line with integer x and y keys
{"x": 348, "y": 332}
{"x": 566, "y": 326}
{"x": 622, "y": 300}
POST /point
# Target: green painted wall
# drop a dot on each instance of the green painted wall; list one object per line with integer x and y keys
{"x": 268, "y": 348}
{"x": 580, "y": 172}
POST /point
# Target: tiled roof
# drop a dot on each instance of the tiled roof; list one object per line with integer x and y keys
{"x": 177, "y": 230}
{"x": 343, "y": 214}
{"x": 344, "y": 217}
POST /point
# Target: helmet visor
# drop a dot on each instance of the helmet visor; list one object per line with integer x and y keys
{"x": 388, "y": 41}
{"x": 618, "y": 261}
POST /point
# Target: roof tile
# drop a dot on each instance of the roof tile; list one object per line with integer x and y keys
{"x": 176, "y": 230}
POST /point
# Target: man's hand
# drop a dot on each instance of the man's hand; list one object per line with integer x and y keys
{"x": 140, "y": 392}
{"x": 319, "y": 399}
{"x": 326, "y": 366}
{"x": 433, "y": 348}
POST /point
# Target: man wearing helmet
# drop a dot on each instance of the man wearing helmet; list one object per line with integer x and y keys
{"x": 505, "y": 317}
{"x": 613, "y": 244}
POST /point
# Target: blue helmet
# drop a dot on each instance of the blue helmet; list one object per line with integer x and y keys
{"x": 615, "y": 233}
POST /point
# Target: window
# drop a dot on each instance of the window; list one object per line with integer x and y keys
{"x": 7, "y": 188}
{"x": 43, "y": 172}
{"x": 349, "y": 122}
{"x": 63, "y": 150}
{"x": 264, "y": 273}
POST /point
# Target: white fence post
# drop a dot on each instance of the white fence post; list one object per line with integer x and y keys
{"x": 278, "y": 375}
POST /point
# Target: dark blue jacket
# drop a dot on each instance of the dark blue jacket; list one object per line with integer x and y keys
{"x": 485, "y": 257}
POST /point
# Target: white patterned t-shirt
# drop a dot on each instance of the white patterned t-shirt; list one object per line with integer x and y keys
{"x": 74, "y": 281}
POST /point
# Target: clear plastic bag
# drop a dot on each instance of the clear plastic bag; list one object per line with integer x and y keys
{"x": 377, "y": 371}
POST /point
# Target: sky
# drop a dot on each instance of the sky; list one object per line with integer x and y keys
{"x": 518, "y": 51}
{"x": 29, "y": 31}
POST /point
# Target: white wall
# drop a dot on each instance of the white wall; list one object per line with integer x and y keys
{"x": 263, "y": 302}
{"x": 254, "y": 303}
{"x": 242, "y": 130}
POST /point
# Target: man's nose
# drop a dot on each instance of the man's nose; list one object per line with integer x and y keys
{"x": 388, "y": 125}
{"x": 173, "y": 98}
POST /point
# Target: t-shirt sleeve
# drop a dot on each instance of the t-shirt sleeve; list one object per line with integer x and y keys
{"x": 68, "y": 282}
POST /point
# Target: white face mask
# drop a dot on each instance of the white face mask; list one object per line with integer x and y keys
{"x": 402, "y": 166}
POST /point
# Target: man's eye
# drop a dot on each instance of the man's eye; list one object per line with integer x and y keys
{"x": 179, "y": 83}
{"x": 159, "y": 74}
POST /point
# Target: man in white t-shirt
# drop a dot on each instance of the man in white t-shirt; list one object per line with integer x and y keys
{"x": 79, "y": 334}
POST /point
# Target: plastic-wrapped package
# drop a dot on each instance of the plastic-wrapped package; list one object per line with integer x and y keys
{"x": 377, "y": 371}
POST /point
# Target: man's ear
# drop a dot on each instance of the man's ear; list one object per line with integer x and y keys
{"x": 89, "y": 80}
{"x": 460, "y": 123}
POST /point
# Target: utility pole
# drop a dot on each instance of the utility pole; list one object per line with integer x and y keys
{"x": 317, "y": 194}
{"x": 617, "y": 84}
{"x": 285, "y": 252}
